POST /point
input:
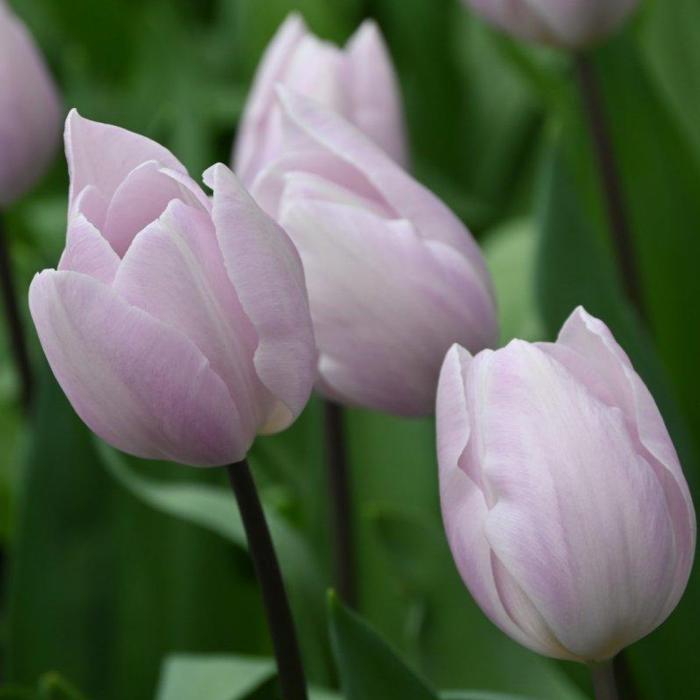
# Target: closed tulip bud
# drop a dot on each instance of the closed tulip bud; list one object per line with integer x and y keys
{"x": 178, "y": 326}
{"x": 564, "y": 502}
{"x": 30, "y": 112}
{"x": 394, "y": 278}
{"x": 569, "y": 24}
{"x": 358, "y": 81}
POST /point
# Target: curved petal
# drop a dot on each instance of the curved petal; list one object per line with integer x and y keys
{"x": 174, "y": 271}
{"x": 578, "y": 520}
{"x": 102, "y": 155}
{"x": 588, "y": 350}
{"x": 88, "y": 252}
{"x": 262, "y": 96}
{"x": 30, "y": 110}
{"x": 375, "y": 99}
{"x": 140, "y": 199}
{"x": 464, "y": 506}
{"x": 266, "y": 272}
{"x": 141, "y": 386}
{"x": 323, "y": 129}
{"x": 385, "y": 307}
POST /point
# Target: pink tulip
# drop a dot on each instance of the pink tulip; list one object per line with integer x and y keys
{"x": 564, "y": 502}
{"x": 177, "y": 326}
{"x": 30, "y": 119}
{"x": 394, "y": 278}
{"x": 570, "y": 24}
{"x": 358, "y": 81}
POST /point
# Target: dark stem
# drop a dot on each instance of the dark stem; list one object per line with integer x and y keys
{"x": 13, "y": 319}
{"x": 340, "y": 504}
{"x": 279, "y": 615}
{"x": 610, "y": 181}
{"x": 604, "y": 683}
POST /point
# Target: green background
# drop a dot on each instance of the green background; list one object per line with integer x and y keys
{"x": 113, "y": 565}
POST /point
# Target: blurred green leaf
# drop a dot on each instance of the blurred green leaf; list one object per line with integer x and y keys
{"x": 368, "y": 667}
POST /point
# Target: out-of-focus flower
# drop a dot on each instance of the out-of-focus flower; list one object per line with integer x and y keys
{"x": 564, "y": 502}
{"x": 394, "y": 278}
{"x": 570, "y": 24}
{"x": 178, "y": 326}
{"x": 358, "y": 81}
{"x": 30, "y": 111}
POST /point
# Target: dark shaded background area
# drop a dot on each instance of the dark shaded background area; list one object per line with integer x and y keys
{"x": 112, "y": 564}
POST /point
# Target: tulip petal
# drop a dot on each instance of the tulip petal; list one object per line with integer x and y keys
{"x": 266, "y": 272}
{"x": 88, "y": 252}
{"x": 546, "y": 441}
{"x": 464, "y": 506}
{"x": 587, "y": 348}
{"x": 141, "y": 386}
{"x": 246, "y": 160}
{"x": 383, "y": 304}
{"x": 374, "y": 92}
{"x": 174, "y": 271}
{"x": 324, "y": 129}
{"x": 140, "y": 199}
{"x": 103, "y": 155}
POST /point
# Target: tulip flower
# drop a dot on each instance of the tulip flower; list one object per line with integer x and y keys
{"x": 30, "y": 111}
{"x": 570, "y": 24}
{"x": 394, "y": 278}
{"x": 177, "y": 326}
{"x": 564, "y": 502}
{"x": 358, "y": 81}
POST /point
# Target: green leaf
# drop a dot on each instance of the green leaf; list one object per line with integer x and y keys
{"x": 479, "y": 695}
{"x": 368, "y": 667}
{"x": 189, "y": 677}
{"x": 219, "y": 677}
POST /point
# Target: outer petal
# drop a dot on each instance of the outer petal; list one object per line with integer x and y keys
{"x": 323, "y": 129}
{"x": 385, "y": 307}
{"x": 88, "y": 252}
{"x": 266, "y": 272}
{"x": 174, "y": 271}
{"x": 262, "y": 96}
{"x": 103, "y": 155}
{"x": 589, "y": 351}
{"x": 375, "y": 99}
{"x": 579, "y": 522}
{"x": 464, "y": 505}
{"x": 30, "y": 110}
{"x": 141, "y": 386}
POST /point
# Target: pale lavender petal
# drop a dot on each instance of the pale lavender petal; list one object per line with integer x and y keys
{"x": 578, "y": 518}
{"x": 141, "y": 386}
{"x": 103, "y": 155}
{"x": 266, "y": 272}
{"x": 249, "y": 140}
{"x": 374, "y": 97}
{"x": 384, "y": 305}
{"x": 88, "y": 252}
{"x": 30, "y": 110}
{"x": 174, "y": 271}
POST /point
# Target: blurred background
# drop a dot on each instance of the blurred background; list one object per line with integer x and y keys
{"x": 111, "y": 566}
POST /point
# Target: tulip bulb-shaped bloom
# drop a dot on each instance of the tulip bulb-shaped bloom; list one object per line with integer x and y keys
{"x": 569, "y": 24}
{"x": 564, "y": 502}
{"x": 178, "y": 326}
{"x": 358, "y": 81}
{"x": 30, "y": 112}
{"x": 394, "y": 278}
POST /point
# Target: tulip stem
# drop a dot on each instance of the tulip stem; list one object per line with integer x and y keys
{"x": 340, "y": 503}
{"x": 611, "y": 182}
{"x": 279, "y": 615}
{"x": 604, "y": 683}
{"x": 14, "y": 319}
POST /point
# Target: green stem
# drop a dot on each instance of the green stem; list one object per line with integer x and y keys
{"x": 604, "y": 682}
